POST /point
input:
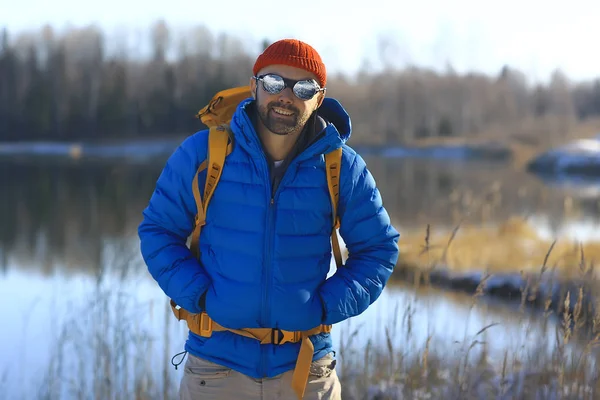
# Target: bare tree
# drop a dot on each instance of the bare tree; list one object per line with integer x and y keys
{"x": 71, "y": 86}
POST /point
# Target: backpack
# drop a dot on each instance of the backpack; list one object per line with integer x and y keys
{"x": 216, "y": 115}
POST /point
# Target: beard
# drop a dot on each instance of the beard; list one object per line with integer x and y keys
{"x": 281, "y": 125}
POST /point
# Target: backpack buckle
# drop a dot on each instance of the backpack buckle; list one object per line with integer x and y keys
{"x": 281, "y": 337}
{"x": 205, "y": 325}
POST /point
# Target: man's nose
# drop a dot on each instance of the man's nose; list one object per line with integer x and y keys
{"x": 286, "y": 96}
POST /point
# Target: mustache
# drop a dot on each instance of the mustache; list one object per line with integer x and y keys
{"x": 288, "y": 107}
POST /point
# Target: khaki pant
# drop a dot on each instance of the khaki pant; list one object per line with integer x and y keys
{"x": 206, "y": 380}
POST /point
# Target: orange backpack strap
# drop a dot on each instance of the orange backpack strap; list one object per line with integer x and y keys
{"x": 216, "y": 115}
{"x": 333, "y": 162}
{"x": 222, "y": 106}
{"x": 219, "y": 147}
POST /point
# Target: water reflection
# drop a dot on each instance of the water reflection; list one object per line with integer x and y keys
{"x": 453, "y": 321}
{"x": 61, "y": 213}
{"x": 442, "y": 192}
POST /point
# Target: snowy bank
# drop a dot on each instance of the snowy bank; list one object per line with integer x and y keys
{"x": 143, "y": 149}
{"x": 542, "y": 291}
{"x": 132, "y": 150}
{"x": 491, "y": 151}
{"x": 578, "y": 158}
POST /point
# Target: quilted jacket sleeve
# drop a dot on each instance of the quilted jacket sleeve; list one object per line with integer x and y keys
{"x": 168, "y": 220}
{"x": 372, "y": 244}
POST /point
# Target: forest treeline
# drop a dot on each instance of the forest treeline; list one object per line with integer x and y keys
{"x": 79, "y": 85}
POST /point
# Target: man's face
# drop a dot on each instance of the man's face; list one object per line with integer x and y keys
{"x": 284, "y": 113}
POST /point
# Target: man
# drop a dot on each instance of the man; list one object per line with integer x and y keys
{"x": 265, "y": 249}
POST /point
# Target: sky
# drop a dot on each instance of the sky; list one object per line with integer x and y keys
{"x": 534, "y": 36}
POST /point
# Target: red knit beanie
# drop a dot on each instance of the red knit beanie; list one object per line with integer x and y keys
{"x": 294, "y": 53}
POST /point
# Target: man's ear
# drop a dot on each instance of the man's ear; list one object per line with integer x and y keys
{"x": 321, "y": 98}
{"x": 253, "y": 87}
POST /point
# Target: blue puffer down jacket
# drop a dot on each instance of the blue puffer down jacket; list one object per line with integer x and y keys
{"x": 265, "y": 259}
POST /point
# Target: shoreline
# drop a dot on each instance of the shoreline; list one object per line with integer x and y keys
{"x": 136, "y": 149}
{"x": 573, "y": 303}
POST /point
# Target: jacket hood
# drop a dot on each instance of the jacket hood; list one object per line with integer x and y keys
{"x": 334, "y": 113}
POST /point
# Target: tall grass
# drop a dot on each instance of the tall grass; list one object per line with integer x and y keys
{"x": 387, "y": 372}
{"x": 109, "y": 347}
{"x": 101, "y": 353}
{"x": 468, "y": 371}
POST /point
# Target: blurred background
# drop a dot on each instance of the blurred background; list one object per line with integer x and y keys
{"x": 480, "y": 123}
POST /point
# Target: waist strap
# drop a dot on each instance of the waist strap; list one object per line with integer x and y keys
{"x": 201, "y": 324}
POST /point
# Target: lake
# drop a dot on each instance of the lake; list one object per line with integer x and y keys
{"x": 77, "y": 303}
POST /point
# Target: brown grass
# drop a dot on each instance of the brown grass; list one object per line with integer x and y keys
{"x": 510, "y": 247}
{"x": 392, "y": 373}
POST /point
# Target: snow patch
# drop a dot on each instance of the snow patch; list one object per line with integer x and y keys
{"x": 580, "y": 157}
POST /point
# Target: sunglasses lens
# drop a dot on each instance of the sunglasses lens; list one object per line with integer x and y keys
{"x": 305, "y": 90}
{"x": 273, "y": 83}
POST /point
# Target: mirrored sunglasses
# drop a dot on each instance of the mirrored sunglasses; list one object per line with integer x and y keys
{"x": 304, "y": 89}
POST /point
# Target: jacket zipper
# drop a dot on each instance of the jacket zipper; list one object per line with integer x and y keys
{"x": 266, "y": 298}
{"x": 266, "y": 315}
{"x": 269, "y": 239}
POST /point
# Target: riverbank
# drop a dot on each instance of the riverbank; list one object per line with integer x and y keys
{"x": 512, "y": 262}
{"x": 140, "y": 150}
{"x": 513, "y": 146}
{"x": 520, "y": 143}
